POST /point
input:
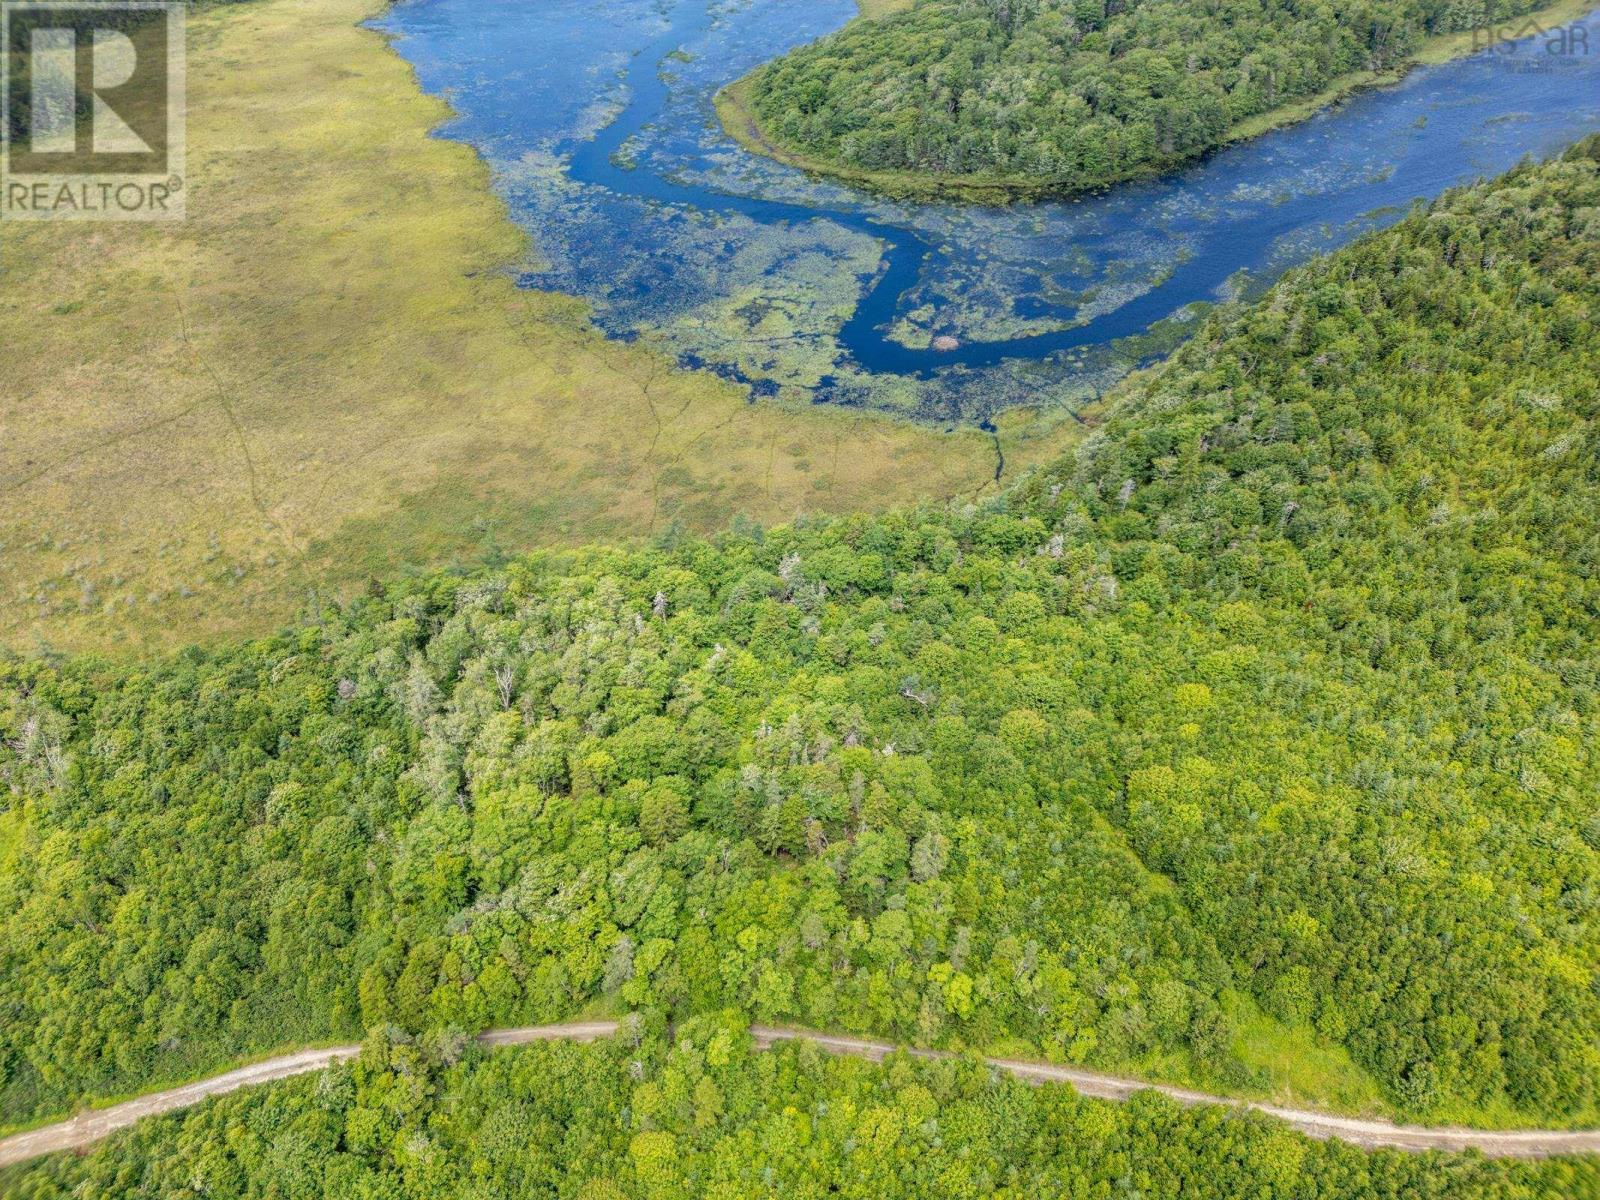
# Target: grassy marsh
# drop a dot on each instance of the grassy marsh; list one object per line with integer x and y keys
{"x": 326, "y": 374}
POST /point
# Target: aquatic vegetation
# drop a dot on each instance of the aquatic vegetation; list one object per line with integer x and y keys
{"x": 327, "y": 375}
{"x": 803, "y": 289}
{"x": 1129, "y": 764}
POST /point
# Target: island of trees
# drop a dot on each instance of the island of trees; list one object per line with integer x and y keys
{"x": 1039, "y": 96}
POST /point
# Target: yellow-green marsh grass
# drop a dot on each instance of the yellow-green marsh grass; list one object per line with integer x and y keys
{"x": 326, "y": 374}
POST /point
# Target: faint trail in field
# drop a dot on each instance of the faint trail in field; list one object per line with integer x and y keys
{"x": 54, "y": 465}
{"x": 226, "y": 406}
{"x": 285, "y": 535}
{"x": 1370, "y": 1133}
{"x": 657, "y": 370}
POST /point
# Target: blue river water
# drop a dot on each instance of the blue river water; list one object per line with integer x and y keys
{"x": 597, "y": 121}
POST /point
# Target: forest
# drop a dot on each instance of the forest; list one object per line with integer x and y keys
{"x": 1076, "y": 94}
{"x": 1277, "y": 698}
{"x": 700, "y": 1115}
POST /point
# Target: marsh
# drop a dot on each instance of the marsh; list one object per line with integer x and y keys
{"x": 598, "y": 122}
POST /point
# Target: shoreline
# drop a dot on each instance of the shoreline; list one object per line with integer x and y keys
{"x": 738, "y": 119}
{"x": 356, "y": 384}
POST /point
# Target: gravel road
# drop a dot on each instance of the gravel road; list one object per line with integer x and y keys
{"x": 92, "y": 1125}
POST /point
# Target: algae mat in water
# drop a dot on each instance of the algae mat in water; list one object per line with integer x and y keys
{"x": 326, "y": 374}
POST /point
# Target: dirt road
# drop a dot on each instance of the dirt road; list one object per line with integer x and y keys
{"x": 94, "y": 1124}
{"x": 1372, "y": 1133}
{"x": 88, "y": 1127}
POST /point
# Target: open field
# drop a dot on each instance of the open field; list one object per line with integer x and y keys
{"x": 735, "y": 111}
{"x": 326, "y": 376}
{"x": 873, "y": 9}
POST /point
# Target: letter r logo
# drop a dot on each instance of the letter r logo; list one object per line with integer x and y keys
{"x": 92, "y": 110}
{"x": 87, "y": 87}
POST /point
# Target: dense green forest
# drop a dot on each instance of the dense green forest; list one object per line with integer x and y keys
{"x": 707, "y": 1118}
{"x": 1280, "y": 695}
{"x": 1077, "y": 93}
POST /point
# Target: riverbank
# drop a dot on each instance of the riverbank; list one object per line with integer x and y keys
{"x": 736, "y": 112}
{"x": 1442, "y": 48}
{"x": 327, "y": 375}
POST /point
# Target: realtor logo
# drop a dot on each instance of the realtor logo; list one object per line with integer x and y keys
{"x": 91, "y": 110}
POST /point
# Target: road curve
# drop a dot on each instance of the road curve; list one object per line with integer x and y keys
{"x": 94, "y": 1124}
{"x": 1370, "y": 1133}
{"x": 91, "y": 1126}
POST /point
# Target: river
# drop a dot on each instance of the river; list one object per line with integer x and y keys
{"x": 597, "y": 122}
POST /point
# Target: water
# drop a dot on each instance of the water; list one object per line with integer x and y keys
{"x": 596, "y": 119}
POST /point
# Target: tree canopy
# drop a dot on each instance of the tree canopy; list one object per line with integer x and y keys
{"x": 705, "y": 1117}
{"x": 1280, "y": 696}
{"x": 1077, "y": 94}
